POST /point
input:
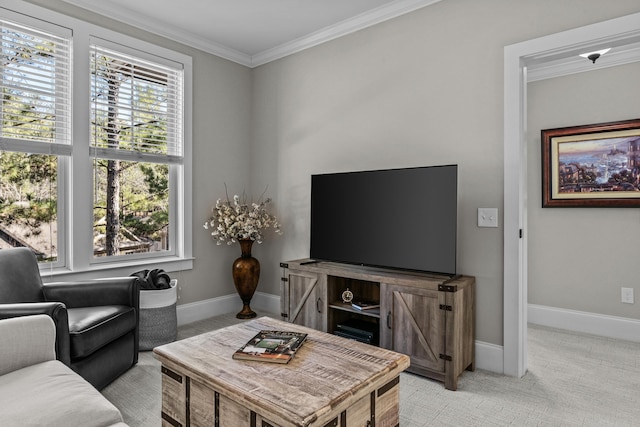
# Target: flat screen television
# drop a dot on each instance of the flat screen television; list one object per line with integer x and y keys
{"x": 395, "y": 218}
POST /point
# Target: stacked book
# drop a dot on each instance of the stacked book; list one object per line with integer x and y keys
{"x": 365, "y": 305}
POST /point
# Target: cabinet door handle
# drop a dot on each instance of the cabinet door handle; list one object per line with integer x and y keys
{"x": 389, "y": 319}
{"x": 318, "y": 302}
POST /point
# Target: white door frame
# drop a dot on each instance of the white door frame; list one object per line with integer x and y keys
{"x": 517, "y": 57}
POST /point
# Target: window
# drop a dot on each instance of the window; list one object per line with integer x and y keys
{"x": 136, "y": 136}
{"x": 34, "y": 134}
{"x": 93, "y": 169}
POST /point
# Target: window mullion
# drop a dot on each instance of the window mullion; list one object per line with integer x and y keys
{"x": 80, "y": 194}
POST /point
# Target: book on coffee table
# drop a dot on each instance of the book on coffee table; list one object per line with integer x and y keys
{"x": 271, "y": 346}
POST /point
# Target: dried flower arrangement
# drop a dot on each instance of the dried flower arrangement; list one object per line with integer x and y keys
{"x": 238, "y": 220}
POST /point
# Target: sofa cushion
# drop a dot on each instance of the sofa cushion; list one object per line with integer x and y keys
{"x": 26, "y": 340}
{"x": 51, "y": 394}
{"x": 91, "y": 328}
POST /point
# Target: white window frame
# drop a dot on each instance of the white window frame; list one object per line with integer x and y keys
{"x": 62, "y": 145}
{"x": 75, "y": 183}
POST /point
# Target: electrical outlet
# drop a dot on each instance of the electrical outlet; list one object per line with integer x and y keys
{"x": 627, "y": 295}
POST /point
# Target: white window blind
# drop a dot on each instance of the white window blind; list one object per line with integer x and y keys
{"x": 136, "y": 108}
{"x": 34, "y": 79}
{"x": 137, "y": 138}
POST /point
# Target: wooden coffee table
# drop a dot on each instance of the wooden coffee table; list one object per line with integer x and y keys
{"x": 331, "y": 381}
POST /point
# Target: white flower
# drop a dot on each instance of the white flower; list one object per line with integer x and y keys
{"x": 239, "y": 220}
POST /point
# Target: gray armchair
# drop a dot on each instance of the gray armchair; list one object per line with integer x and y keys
{"x": 96, "y": 320}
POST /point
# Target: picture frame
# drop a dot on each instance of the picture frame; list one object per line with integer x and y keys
{"x": 595, "y": 165}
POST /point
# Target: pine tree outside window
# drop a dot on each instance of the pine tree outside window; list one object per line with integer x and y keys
{"x": 35, "y": 139}
{"x": 95, "y": 146}
{"x": 135, "y": 139}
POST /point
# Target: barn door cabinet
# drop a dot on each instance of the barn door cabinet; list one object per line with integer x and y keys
{"x": 427, "y": 317}
{"x": 303, "y": 298}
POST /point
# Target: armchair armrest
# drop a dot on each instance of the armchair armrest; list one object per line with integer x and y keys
{"x": 90, "y": 293}
{"x": 56, "y": 311}
{"x": 26, "y": 341}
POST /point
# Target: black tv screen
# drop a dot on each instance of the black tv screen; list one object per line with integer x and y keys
{"x": 394, "y": 218}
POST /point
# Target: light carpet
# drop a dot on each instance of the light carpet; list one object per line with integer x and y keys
{"x": 573, "y": 380}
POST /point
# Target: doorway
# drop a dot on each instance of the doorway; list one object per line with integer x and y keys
{"x": 519, "y": 59}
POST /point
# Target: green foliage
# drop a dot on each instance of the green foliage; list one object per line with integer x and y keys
{"x": 143, "y": 195}
{"x": 28, "y": 182}
{"x": 27, "y": 190}
{"x": 143, "y": 186}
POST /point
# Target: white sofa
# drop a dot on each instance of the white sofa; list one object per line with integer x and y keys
{"x": 38, "y": 390}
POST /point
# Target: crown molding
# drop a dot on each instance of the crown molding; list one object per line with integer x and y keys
{"x": 161, "y": 29}
{"x": 343, "y": 28}
{"x": 364, "y": 20}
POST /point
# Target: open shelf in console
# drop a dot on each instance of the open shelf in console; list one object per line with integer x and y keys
{"x": 343, "y": 318}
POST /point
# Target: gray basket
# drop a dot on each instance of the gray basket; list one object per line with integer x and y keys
{"x": 158, "y": 317}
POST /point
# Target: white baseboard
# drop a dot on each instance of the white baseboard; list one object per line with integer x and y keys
{"x": 488, "y": 356}
{"x": 588, "y": 323}
{"x": 200, "y": 310}
{"x": 266, "y": 302}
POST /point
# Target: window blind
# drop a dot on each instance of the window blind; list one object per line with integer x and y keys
{"x": 136, "y": 107}
{"x": 34, "y": 80}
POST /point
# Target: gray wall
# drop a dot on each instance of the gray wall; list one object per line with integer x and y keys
{"x": 422, "y": 89}
{"x": 580, "y": 258}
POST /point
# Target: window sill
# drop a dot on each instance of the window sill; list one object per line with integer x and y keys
{"x": 98, "y": 271}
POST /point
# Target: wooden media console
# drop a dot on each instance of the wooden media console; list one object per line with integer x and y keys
{"x": 427, "y": 317}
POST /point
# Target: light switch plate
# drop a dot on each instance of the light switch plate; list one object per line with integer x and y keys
{"x": 487, "y": 217}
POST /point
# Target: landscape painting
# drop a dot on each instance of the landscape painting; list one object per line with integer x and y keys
{"x": 592, "y": 165}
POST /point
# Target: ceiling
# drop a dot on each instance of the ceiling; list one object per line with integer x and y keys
{"x": 252, "y": 32}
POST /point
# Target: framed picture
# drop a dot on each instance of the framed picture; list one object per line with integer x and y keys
{"x": 592, "y": 165}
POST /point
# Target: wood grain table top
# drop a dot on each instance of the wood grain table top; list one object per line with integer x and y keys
{"x": 327, "y": 371}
